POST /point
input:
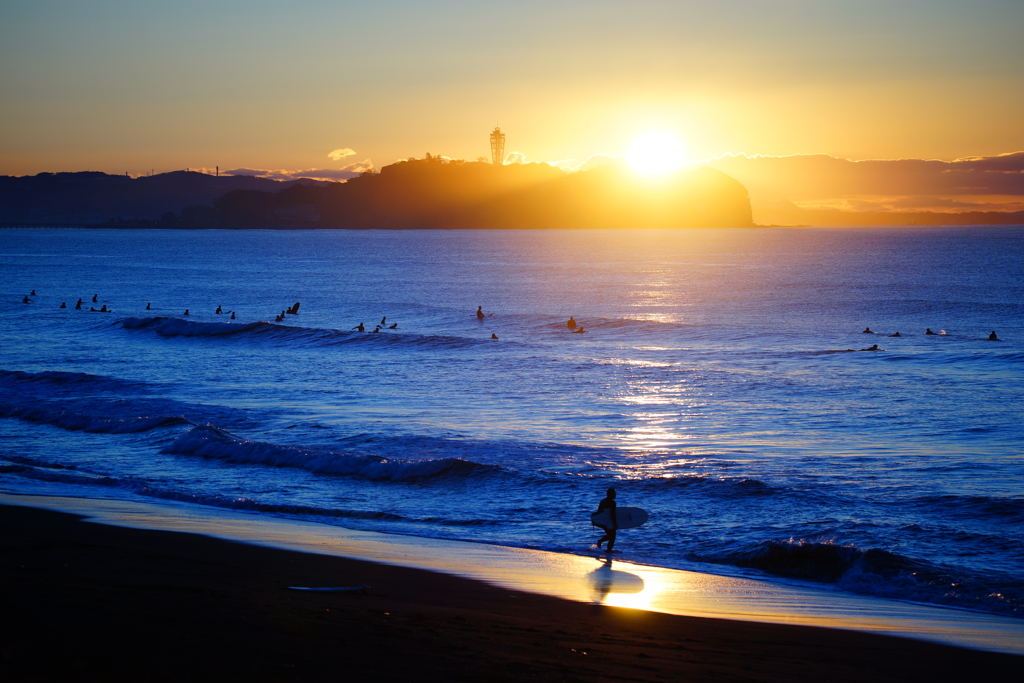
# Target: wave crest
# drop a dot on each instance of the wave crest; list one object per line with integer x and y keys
{"x": 878, "y": 572}
{"x": 208, "y": 441}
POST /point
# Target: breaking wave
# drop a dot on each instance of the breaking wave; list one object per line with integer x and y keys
{"x": 291, "y": 335}
{"x": 16, "y": 379}
{"x": 74, "y": 421}
{"x": 879, "y": 573}
{"x": 208, "y": 441}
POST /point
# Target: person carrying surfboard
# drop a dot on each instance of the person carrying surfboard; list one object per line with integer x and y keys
{"x": 608, "y": 503}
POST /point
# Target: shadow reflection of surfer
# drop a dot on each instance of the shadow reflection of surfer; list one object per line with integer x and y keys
{"x": 605, "y": 580}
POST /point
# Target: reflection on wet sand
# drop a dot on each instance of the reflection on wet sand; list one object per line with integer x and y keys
{"x": 572, "y": 577}
{"x": 605, "y": 580}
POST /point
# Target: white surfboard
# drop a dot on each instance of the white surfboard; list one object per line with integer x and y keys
{"x": 627, "y": 518}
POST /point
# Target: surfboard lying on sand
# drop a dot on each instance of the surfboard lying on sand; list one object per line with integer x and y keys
{"x": 627, "y": 518}
{"x": 332, "y": 589}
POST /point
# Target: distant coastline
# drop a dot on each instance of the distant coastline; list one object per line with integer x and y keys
{"x": 429, "y": 193}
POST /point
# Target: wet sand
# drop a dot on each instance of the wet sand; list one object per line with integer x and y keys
{"x": 86, "y": 601}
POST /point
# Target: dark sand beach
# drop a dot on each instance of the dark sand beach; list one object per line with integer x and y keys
{"x": 84, "y": 601}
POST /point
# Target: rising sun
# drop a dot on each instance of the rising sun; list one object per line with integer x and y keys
{"x": 656, "y": 154}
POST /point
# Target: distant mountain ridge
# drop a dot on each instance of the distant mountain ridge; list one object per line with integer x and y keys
{"x": 91, "y": 197}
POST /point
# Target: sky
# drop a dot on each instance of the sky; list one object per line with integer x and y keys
{"x": 128, "y": 86}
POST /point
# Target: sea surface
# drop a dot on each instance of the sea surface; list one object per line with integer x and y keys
{"x": 720, "y": 384}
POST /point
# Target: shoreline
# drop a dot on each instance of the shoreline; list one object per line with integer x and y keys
{"x": 583, "y": 579}
{"x": 100, "y": 601}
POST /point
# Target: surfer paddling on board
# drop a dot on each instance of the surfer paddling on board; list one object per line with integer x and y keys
{"x": 609, "y": 531}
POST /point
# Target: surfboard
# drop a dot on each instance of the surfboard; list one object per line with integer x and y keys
{"x": 332, "y": 589}
{"x": 626, "y": 517}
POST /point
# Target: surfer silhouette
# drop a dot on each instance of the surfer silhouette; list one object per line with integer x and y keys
{"x": 867, "y": 330}
{"x": 359, "y": 327}
{"x": 480, "y": 312}
{"x": 993, "y": 337}
{"x": 572, "y": 323}
{"x": 608, "y": 503}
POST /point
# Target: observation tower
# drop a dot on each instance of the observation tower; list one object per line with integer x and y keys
{"x": 497, "y": 146}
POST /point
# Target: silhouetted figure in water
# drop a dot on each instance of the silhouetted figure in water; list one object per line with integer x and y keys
{"x": 32, "y": 293}
{"x": 480, "y": 312}
{"x": 383, "y": 320}
{"x": 147, "y": 307}
{"x": 232, "y": 315}
{"x": 993, "y": 337}
{"x": 78, "y": 306}
{"x": 186, "y": 312}
{"x": 608, "y": 503}
{"x": 63, "y": 304}
{"x": 872, "y": 348}
{"x": 579, "y": 331}
{"x": 294, "y": 310}
{"x": 895, "y": 335}
{"x": 493, "y": 336}
{"x": 218, "y": 311}
{"x": 94, "y": 297}
{"x": 929, "y": 331}
{"x": 393, "y": 326}
{"x": 376, "y": 330}
{"x": 359, "y": 327}
{"x": 26, "y": 300}
{"x": 867, "y": 330}
{"x": 100, "y": 310}
{"x": 572, "y": 323}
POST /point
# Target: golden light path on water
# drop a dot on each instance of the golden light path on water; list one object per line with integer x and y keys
{"x": 581, "y": 578}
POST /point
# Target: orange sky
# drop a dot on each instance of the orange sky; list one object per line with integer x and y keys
{"x": 124, "y": 86}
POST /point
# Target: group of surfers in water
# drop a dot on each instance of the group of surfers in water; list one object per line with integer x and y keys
{"x": 291, "y": 310}
{"x": 575, "y": 327}
{"x": 383, "y": 321}
{"x": 928, "y": 332}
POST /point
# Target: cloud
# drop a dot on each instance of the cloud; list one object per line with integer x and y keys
{"x": 341, "y": 153}
{"x": 567, "y": 165}
{"x": 595, "y": 160}
{"x": 809, "y": 177}
{"x": 333, "y": 174}
{"x": 820, "y": 181}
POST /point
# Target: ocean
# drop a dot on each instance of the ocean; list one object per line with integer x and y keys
{"x": 722, "y": 383}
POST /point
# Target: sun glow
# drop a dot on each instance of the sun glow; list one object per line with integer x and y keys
{"x": 656, "y": 154}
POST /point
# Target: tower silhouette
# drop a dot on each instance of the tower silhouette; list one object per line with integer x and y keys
{"x": 497, "y": 146}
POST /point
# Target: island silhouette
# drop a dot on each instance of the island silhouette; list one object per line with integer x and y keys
{"x": 439, "y": 193}
{"x": 433, "y": 192}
